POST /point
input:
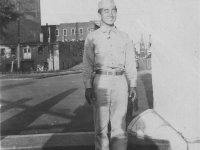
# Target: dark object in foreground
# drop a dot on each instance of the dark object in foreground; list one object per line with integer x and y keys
{"x": 135, "y": 104}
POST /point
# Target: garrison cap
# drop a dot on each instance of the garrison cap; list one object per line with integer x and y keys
{"x": 106, "y": 3}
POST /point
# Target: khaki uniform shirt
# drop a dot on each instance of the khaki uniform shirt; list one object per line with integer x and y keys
{"x": 108, "y": 49}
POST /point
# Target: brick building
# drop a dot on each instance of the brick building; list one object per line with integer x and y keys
{"x": 28, "y": 28}
{"x": 29, "y": 56}
{"x": 69, "y": 31}
{"x": 63, "y": 51}
{"x": 54, "y": 55}
{"x": 42, "y": 56}
{"x": 70, "y": 53}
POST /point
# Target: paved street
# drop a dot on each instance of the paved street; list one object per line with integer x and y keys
{"x": 56, "y": 105}
{"x": 46, "y": 105}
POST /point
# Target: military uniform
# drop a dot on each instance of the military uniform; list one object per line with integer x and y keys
{"x": 109, "y": 60}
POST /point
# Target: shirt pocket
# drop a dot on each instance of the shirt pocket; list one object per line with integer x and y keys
{"x": 121, "y": 54}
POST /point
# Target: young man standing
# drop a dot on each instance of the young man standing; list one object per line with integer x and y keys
{"x": 109, "y": 59}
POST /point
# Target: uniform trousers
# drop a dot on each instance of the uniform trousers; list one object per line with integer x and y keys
{"x": 110, "y": 105}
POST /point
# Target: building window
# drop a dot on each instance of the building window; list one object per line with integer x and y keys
{"x": 57, "y": 32}
{"x": 27, "y": 53}
{"x": 2, "y": 51}
{"x": 13, "y": 51}
{"x": 81, "y": 31}
{"x": 80, "y": 53}
{"x": 65, "y": 32}
{"x": 73, "y": 31}
{"x": 64, "y": 38}
{"x": 40, "y": 50}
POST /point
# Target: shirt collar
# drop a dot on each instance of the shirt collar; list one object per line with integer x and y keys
{"x": 105, "y": 29}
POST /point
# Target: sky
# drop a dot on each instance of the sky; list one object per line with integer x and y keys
{"x": 55, "y": 12}
{"x": 66, "y": 11}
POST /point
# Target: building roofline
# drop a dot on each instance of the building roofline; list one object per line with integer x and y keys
{"x": 72, "y": 23}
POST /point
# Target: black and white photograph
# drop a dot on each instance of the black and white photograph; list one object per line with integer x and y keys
{"x": 100, "y": 74}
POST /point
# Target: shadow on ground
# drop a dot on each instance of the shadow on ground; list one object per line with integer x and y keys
{"x": 80, "y": 121}
{"x": 11, "y": 86}
{"x": 22, "y": 120}
{"x": 9, "y": 105}
{"x": 147, "y": 143}
{"x": 147, "y": 81}
{"x": 91, "y": 147}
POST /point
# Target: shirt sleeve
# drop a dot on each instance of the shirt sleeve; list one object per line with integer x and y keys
{"x": 88, "y": 62}
{"x": 130, "y": 65}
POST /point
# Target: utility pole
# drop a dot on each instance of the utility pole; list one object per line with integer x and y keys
{"x": 18, "y": 40}
{"x": 76, "y": 32}
{"x": 49, "y": 45}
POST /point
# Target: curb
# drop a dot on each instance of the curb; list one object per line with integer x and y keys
{"x": 42, "y": 76}
{"x": 58, "y": 74}
{"x": 54, "y": 75}
{"x": 42, "y": 141}
{"x": 70, "y": 141}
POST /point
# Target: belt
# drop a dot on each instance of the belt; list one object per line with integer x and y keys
{"x": 116, "y": 73}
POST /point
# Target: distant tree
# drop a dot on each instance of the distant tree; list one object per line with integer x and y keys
{"x": 8, "y": 13}
{"x": 9, "y": 55}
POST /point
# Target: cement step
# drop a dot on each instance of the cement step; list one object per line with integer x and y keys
{"x": 64, "y": 141}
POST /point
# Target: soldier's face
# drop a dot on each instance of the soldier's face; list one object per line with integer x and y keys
{"x": 108, "y": 15}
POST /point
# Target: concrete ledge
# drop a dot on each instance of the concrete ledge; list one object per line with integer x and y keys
{"x": 41, "y": 141}
{"x": 150, "y": 127}
{"x": 69, "y": 141}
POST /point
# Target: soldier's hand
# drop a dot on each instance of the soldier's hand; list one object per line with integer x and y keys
{"x": 134, "y": 96}
{"x": 89, "y": 95}
{"x": 133, "y": 93}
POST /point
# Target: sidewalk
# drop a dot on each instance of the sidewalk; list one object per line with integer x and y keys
{"x": 62, "y": 141}
{"x": 39, "y": 75}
